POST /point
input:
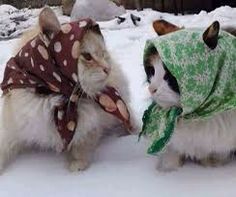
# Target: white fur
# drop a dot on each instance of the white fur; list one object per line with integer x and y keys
{"x": 194, "y": 139}
{"x": 26, "y": 119}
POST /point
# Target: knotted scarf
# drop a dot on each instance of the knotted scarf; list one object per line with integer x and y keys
{"x": 52, "y": 69}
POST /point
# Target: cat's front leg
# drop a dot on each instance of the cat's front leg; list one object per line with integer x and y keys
{"x": 169, "y": 160}
{"x": 82, "y": 150}
{"x": 8, "y": 150}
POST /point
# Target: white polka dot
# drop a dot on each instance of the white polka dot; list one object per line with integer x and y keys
{"x": 123, "y": 109}
{"x": 53, "y": 88}
{"x": 33, "y": 43}
{"x": 74, "y": 98}
{"x": 82, "y": 23}
{"x": 72, "y": 37}
{"x": 56, "y": 76}
{"x": 108, "y": 103}
{"x": 32, "y": 82}
{"x": 43, "y": 52}
{"x": 20, "y": 52}
{"x": 66, "y": 28}
{"x": 65, "y": 62}
{"x": 42, "y": 67}
{"x": 57, "y": 47}
{"x": 32, "y": 62}
{"x": 12, "y": 67}
{"x": 60, "y": 115}
{"x": 71, "y": 125}
{"x": 24, "y": 75}
{"x": 74, "y": 77}
{"x": 10, "y": 80}
{"x": 26, "y": 54}
{"x": 75, "y": 50}
{"x": 21, "y": 81}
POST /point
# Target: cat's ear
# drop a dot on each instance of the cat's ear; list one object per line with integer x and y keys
{"x": 210, "y": 36}
{"x": 163, "y": 27}
{"x": 96, "y": 29}
{"x": 48, "y": 22}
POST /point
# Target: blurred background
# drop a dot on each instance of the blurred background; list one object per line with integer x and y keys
{"x": 173, "y": 6}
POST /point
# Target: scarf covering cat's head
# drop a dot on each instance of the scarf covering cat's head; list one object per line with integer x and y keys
{"x": 206, "y": 78}
{"x": 52, "y": 68}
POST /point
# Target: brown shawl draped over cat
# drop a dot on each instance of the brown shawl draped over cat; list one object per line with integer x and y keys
{"x": 52, "y": 69}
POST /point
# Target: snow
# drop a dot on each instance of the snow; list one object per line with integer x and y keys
{"x": 99, "y": 10}
{"x": 121, "y": 166}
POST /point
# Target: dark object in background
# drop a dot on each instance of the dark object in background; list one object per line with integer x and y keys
{"x": 30, "y": 3}
{"x": 178, "y": 6}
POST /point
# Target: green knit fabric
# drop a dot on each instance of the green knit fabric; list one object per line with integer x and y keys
{"x": 206, "y": 79}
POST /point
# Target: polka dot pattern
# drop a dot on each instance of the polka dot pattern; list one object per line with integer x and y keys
{"x": 32, "y": 62}
{"x": 75, "y": 50}
{"x": 71, "y": 126}
{"x": 75, "y": 77}
{"x": 58, "y": 78}
{"x": 42, "y": 68}
{"x": 42, "y": 50}
{"x": 33, "y": 43}
{"x": 107, "y": 102}
{"x": 46, "y": 66}
{"x": 65, "y": 62}
{"x": 123, "y": 109}
{"x": 66, "y": 28}
{"x": 57, "y": 47}
{"x": 83, "y": 23}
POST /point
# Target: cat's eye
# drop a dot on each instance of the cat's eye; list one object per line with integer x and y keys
{"x": 87, "y": 56}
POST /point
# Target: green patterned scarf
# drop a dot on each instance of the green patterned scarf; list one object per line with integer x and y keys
{"x": 206, "y": 79}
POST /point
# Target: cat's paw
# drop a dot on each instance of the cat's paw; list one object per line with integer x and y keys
{"x": 78, "y": 165}
{"x": 169, "y": 162}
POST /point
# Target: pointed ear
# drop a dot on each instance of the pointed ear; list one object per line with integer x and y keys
{"x": 48, "y": 22}
{"x": 210, "y": 36}
{"x": 163, "y": 27}
{"x": 95, "y": 28}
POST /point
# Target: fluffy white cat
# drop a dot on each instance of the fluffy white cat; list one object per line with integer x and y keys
{"x": 26, "y": 119}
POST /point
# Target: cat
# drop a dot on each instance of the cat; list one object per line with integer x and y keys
{"x": 23, "y": 112}
{"x": 208, "y": 142}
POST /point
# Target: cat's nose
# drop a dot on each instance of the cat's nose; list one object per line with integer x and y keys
{"x": 152, "y": 90}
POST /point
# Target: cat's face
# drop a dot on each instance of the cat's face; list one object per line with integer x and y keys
{"x": 94, "y": 64}
{"x": 163, "y": 86}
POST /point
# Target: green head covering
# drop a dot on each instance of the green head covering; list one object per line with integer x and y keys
{"x": 206, "y": 79}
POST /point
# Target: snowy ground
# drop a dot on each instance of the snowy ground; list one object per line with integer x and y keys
{"x": 121, "y": 166}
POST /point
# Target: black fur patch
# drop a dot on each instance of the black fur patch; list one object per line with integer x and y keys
{"x": 172, "y": 82}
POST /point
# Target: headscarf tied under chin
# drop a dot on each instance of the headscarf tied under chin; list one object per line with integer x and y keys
{"x": 206, "y": 79}
{"x": 52, "y": 69}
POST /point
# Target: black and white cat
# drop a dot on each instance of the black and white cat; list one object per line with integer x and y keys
{"x": 209, "y": 142}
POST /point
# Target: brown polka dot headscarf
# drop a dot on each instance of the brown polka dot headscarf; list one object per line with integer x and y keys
{"x": 52, "y": 69}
